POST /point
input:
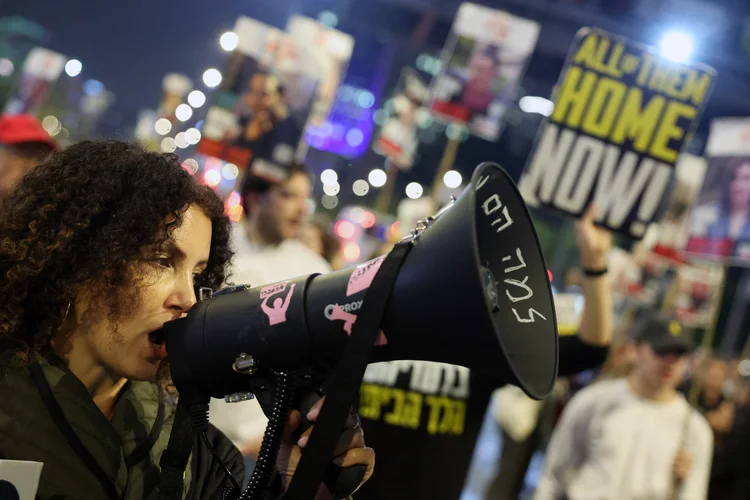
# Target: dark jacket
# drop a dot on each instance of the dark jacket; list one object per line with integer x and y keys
{"x": 729, "y": 471}
{"x": 126, "y": 449}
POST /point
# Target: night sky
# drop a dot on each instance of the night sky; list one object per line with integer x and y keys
{"x": 129, "y": 45}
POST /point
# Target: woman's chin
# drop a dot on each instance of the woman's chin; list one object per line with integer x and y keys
{"x": 145, "y": 372}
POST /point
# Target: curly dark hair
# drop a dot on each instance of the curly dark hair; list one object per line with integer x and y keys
{"x": 83, "y": 219}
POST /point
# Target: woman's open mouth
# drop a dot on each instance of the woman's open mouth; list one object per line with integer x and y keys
{"x": 158, "y": 344}
{"x": 157, "y": 338}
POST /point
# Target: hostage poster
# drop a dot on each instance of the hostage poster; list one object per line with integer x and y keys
{"x": 41, "y": 71}
{"x": 483, "y": 63}
{"x": 175, "y": 88}
{"x": 258, "y": 113}
{"x": 622, "y": 115}
{"x": 670, "y": 235}
{"x": 329, "y": 52}
{"x": 697, "y": 290}
{"x": 406, "y": 114}
{"x": 720, "y": 220}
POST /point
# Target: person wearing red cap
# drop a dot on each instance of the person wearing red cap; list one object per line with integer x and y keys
{"x": 23, "y": 144}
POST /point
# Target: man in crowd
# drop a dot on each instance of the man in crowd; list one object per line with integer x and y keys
{"x": 23, "y": 144}
{"x": 627, "y": 439}
{"x": 712, "y": 403}
{"x": 276, "y": 208}
{"x": 452, "y": 401}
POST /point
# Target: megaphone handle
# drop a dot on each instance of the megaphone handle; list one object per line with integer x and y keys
{"x": 342, "y": 482}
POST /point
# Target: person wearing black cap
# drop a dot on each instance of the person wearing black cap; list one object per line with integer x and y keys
{"x": 24, "y": 144}
{"x": 629, "y": 438}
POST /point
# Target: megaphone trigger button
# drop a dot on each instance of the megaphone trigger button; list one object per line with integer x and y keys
{"x": 357, "y": 426}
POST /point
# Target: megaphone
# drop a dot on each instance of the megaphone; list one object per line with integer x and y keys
{"x": 473, "y": 291}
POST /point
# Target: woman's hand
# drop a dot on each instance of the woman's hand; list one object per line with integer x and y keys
{"x": 350, "y": 449}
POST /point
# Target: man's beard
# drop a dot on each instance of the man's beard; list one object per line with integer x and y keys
{"x": 268, "y": 228}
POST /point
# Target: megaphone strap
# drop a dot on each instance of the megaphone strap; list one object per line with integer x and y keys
{"x": 346, "y": 380}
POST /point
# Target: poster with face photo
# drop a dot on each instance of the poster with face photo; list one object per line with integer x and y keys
{"x": 698, "y": 287}
{"x": 720, "y": 221}
{"x": 669, "y": 236}
{"x": 329, "y": 53}
{"x": 483, "y": 63}
{"x": 641, "y": 279}
{"x": 257, "y": 114}
{"x": 175, "y": 88}
{"x": 398, "y": 138}
{"x": 40, "y": 72}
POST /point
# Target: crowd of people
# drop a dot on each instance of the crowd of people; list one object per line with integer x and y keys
{"x": 104, "y": 242}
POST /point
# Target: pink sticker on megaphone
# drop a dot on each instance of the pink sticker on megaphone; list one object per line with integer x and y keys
{"x": 338, "y": 314}
{"x": 269, "y": 290}
{"x": 277, "y": 312}
{"x": 362, "y": 276}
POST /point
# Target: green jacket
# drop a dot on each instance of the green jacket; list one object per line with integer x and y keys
{"x": 28, "y": 432}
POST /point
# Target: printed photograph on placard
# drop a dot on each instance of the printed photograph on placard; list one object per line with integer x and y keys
{"x": 720, "y": 221}
{"x": 404, "y": 115}
{"x": 330, "y": 51}
{"x": 40, "y": 72}
{"x": 616, "y": 132}
{"x": 175, "y": 88}
{"x": 668, "y": 237}
{"x": 259, "y": 110}
{"x": 639, "y": 280}
{"x": 697, "y": 291}
{"x": 690, "y": 173}
{"x": 483, "y": 63}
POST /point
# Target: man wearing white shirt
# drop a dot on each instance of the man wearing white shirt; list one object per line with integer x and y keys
{"x": 266, "y": 251}
{"x": 623, "y": 439}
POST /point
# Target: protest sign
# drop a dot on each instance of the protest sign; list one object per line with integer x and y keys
{"x": 330, "y": 51}
{"x": 175, "y": 88}
{"x": 258, "y": 112}
{"x": 398, "y": 138}
{"x": 697, "y": 290}
{"x": 622, "y": 115}
{"x": 720, "y": 220}
{"x": 40, "y": 71}
{"x": 483, "y": 63}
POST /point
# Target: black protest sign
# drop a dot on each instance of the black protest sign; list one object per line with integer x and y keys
{"x": 622, "y": 116}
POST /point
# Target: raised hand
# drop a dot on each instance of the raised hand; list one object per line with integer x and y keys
{"x": 593, "y": 241}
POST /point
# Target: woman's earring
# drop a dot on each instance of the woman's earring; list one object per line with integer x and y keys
{"x": 65, "y": 316}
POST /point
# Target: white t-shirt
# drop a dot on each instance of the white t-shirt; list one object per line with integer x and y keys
{"x": 613, "y": 445}
{"x": 257, "y": 265}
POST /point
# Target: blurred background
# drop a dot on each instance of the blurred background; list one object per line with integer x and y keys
{"x": 361, "y": 84}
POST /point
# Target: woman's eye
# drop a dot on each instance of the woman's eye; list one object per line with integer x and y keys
{"x": 163, "y": 260}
